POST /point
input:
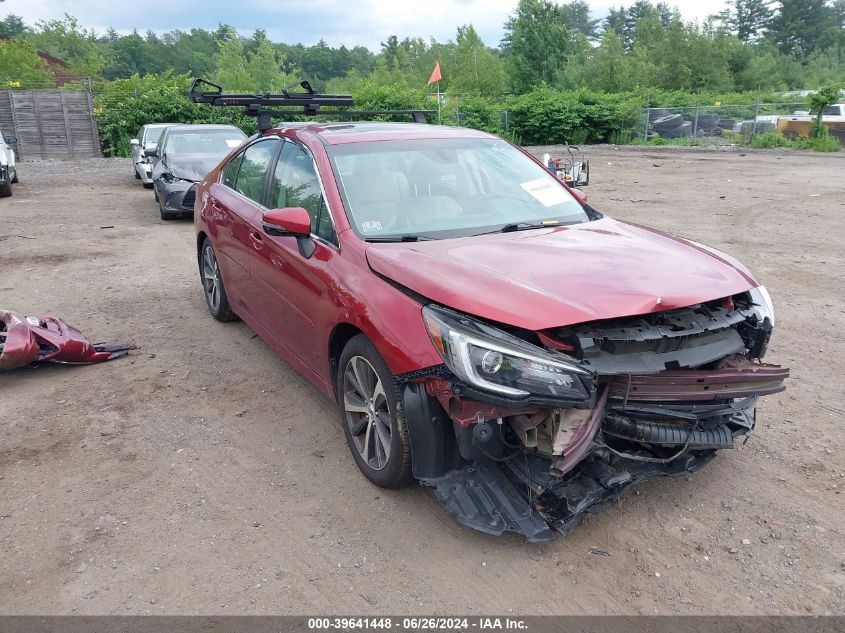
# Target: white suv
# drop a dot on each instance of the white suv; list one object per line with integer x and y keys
{"x": 8, "y": 171}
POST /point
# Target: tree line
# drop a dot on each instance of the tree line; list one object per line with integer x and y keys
{"x": 750, "y": 45}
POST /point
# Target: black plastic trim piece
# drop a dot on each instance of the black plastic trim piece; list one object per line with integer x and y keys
{"x": 667, "y": 434}
{"x": 434, "y": 450}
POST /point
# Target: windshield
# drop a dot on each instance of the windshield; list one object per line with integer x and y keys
{"x": 203, "y": 141}
{"x": 443, "y": 188}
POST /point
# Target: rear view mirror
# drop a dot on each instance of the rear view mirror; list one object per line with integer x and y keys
{"x": 133, "y": 142}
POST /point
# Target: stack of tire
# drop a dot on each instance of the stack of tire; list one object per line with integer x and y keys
{"x": 713, "y": 124}
{"x": 672, "y": 126}
{"x": 668, "y": 125}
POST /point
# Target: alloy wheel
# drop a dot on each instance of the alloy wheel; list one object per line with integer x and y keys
{"x": 367, "y": 413}
{"x": 211, "y": 278}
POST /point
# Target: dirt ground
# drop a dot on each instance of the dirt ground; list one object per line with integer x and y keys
{"x": 202, "y": 475}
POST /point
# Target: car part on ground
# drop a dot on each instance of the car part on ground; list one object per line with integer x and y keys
{"x": 30, "y": 339}
{"x": 524, "y": 356}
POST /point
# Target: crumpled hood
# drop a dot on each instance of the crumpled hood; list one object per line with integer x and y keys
{"x": 193, "y": 166}
{"x": 546, "y": 278}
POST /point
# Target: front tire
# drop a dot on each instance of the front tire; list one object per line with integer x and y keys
{"x": 164, "y": 215}
{"x": 15, "y": 176}
{"x": 212, "y": 285}
{"x": 370, "y": 411}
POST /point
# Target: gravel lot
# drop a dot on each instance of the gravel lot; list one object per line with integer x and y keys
{"x": 202, "y": 475}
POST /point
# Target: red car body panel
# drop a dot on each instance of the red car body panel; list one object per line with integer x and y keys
{"x": 597, "y": 270}
{"x": 559, "y": 276}
{"x": 46, "y": 338}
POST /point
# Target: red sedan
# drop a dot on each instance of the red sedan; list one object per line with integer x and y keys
{"x": 482, "y": 329}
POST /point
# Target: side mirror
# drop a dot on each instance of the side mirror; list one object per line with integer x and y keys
{"x": 293, "y": 221}
{"x": 134, "y": 142}
{"x": 151, "y": 150}
{"x": 288, "y": 221}
{"x": 11, "y": 139}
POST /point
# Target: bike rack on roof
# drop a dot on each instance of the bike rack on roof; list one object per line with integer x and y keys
{"x": 309, "y": 103}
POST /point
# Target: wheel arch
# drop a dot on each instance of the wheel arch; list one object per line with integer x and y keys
{"x": 201, "y": 237}
{"x": 340, "y": 336}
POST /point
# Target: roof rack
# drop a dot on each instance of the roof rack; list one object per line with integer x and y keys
{"x": 309, "y": 103}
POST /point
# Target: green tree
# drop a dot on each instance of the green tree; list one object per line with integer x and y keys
{"x": 231, "y": 70}
{"x": 575, "y": 14}
{"x": 819, "y": 100}
{"x": 615, "y": 21}
{"x": 475, "y": 69}
{"x": 536, "y": 44}
{"x": 798, "y": 25}
{"x": 12, "y": 26}
{"x": 21, "y": 67}
{"x": 747, "y": 19}
{"x": 70, "y": 42}
{"x": 265, "y": 69}
{"x": 608, "y": 64}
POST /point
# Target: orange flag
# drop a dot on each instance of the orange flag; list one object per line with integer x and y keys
{"x": 435, "y": 74}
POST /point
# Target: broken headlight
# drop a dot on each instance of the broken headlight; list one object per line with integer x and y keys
{"x": 763, "y": 303}
{"x": 492, "y": 360}
{"x": 171, "y": 179}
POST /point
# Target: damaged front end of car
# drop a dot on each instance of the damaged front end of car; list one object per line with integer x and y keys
{"x": 527, "y": 431}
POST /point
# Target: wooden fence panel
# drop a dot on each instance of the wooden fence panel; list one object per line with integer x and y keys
{"x": 53, "y": 124}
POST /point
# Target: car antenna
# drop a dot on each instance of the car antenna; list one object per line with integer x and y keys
{"x": 264, "y": 106}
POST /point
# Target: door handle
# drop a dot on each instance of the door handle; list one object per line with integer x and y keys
{"x": 256, "y": 239}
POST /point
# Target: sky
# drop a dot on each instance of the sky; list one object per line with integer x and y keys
{"x": 350, "y": 22}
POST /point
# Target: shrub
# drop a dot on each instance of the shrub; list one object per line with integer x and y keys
{"x": 545, "y": 116}
{"x": 822, "y": 142}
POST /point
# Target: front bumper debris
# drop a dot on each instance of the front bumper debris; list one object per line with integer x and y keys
{"x": 561, "y": 464}
{"x": 28, "y": 339}
{"x": 521, "y": 496}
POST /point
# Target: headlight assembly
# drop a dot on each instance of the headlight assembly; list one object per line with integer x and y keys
{"x": 171, "y": 179}
{"x": 490, "y": 359}
{"x": 763, "y": 303}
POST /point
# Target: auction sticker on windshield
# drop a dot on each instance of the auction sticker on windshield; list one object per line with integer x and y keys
{"x": 546, "y": 191}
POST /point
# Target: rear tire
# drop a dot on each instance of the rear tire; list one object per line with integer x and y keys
{"x": 371, "y": 415}
{"x": 212, "y": 284}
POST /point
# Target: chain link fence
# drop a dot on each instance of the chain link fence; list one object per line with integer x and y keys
{"x": 715, "y": 121}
